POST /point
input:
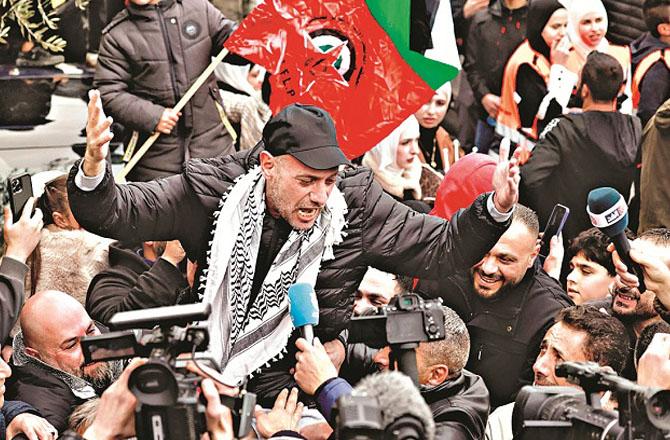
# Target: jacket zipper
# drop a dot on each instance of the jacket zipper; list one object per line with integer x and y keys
{"x": 168, "y": 48}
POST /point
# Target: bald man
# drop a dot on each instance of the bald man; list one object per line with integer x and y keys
{"x": 48, "y": 361}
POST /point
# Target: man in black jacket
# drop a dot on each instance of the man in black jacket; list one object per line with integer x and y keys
{"x": 281, "y": 214}
{"x": 48, "y": 370}
{"x": 137, "y": 279}
{"x": 494, "y": 34}
{"x": 508, "y": 302}
{"x": 583, "y": 151}
{"x": 458, "y": 399}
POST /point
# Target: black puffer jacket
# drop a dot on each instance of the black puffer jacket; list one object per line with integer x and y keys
{"x": 149, "y": 57}
{"x": 626, "y": 20}
{"x": 380, "y": 231}
{"x": 132, "y": 284}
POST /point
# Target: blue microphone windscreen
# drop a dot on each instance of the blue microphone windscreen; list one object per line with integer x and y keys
{"x": 303, "y": 307}
{"x": 601, "y": 201}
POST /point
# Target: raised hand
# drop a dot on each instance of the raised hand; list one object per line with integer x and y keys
{"x": 506, "y": 178}
{"x": 98, "y": 136}
{"x": 23, "y": 236}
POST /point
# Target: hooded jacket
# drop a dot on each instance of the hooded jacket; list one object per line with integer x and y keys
{"x": 655, "y": 85}
{"x": 654, "y": 183}
{"x": 380, "y": 232}
{"x": 149, "y": 57}
{"x": 580, "y": 152}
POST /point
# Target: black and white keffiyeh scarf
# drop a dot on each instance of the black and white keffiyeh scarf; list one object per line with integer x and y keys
{"x": 244, "y": 337}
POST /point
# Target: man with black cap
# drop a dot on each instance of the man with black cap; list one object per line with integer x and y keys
{"x": 280, "y": 213}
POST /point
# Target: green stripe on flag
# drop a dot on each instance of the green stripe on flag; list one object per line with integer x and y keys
{"x": 394, "y": 17}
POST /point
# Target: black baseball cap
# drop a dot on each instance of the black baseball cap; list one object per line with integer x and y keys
{"x": 307, "y": 133}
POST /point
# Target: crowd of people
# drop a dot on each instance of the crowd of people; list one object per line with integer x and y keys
{"x": 233, "y": 205}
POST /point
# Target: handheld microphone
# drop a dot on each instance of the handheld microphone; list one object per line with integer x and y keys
{"x": 304, "y": 309}
{"x": 608, "y": 212}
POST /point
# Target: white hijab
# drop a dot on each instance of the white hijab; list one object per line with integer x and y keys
{"x": 577, "y": 9}
{"x": 382, "y": 160}
{"x": 384, "y": 153}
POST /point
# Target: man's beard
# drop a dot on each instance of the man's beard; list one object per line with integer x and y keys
{"x": 104, "y": 375}
{"x": 641, "y": 312}
{"x": 504, "y": 289}
{"x": 282, "y": 206}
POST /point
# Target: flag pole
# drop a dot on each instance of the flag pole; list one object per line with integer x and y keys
{"x": 121, "y": 176}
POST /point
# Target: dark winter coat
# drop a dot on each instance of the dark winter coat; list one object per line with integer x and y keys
{"x": 10, "y": 409}
{"x": 149, "y": 57}
{"x": 460, "y": 407}
{"x": 654, "y": 183}
{"x": 578, "y": 153}
{"x": 49, "y": 394}
{"x": 12, "y": 274}
{"x": 655, "y": 85}
{"x": 506, "y": 331}
{"x": 625, "y": 20}
{"x": 132, "y": 284}
{"x": 381, "y": 232}
{"x": 494, "y": 35}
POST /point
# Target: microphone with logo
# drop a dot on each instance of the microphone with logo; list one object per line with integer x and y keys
{"x": 609, "y": 212}
{"x": 304, "y": 309}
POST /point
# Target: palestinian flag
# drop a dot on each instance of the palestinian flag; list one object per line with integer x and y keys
{"x": 423, "y": 32}
{"x": 336, "y": 56}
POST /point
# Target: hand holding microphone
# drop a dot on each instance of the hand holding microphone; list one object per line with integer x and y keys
{"x": 609, "y": 213}
{"x": 304, "y": 309}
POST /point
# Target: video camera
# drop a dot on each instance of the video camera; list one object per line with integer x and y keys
{"x": 402, "y": 324}
{"x": 568, "y": 413}
{"x": 170, "y": 404}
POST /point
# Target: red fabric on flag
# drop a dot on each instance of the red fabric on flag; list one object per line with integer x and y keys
{"x": 371, "y": 93}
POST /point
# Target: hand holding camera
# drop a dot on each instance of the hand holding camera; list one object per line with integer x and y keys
{"x": 23, "y": 236}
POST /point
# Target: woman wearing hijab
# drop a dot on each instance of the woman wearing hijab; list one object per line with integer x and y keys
{"x": 242, "y": 101}
{"x": 587, "y": 26}
{"x": 395, "y": 161}
{"x": 436, "y": 146}
{"x": 536, "y": 84}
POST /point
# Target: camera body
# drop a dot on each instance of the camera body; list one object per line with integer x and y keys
{"x": 407, "y": 319}
{"x": 566, "y": 413}
{"x": 170, "y": 405}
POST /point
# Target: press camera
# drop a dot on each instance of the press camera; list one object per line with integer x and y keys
{"x": 170, "y": 405}
{"x": 568, "y": 413}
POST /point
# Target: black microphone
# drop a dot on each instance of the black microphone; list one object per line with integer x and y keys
{"x": 609, "y": 213}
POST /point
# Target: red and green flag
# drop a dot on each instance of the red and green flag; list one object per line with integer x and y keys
{"x": 335, "y": 54}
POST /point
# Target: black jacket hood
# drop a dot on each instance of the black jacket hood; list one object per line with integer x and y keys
{"x": 643, "y": 46}
{"x": 615, "y": 134}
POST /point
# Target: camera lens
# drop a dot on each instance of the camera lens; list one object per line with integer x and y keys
{"x": 16, "y": 186}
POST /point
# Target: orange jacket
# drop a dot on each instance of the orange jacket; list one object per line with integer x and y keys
{"x": 509, "y": 120}
{"x": 643, "y": 68}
